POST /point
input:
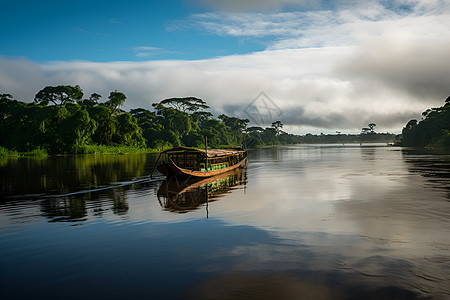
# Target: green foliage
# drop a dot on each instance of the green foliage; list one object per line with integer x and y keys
{"x": 59, "y": 95}
{"x": 187, "y": 104}
{"x": 162, "y": 145}
{"x": 67, "y": 126}
{"x": 269, "y": 136}
{"x": 92, "y": 101}
{"x": 116, "y": 100}
{"x": 38, "y": 152}
{"x": 5, "y": 152}
{"x": 76, "y": 125}
{"x": 151, "y": 128}
{"x": 128, "y": 131}
{"x": 277, "y": 125}
{"x": 34, "y": 153}
{"x": 444, "y": 140}
{"x": 109, "y": 149}
{"x": 432, "y": 131}
{"x": 235, "y": 128}
{"x": 179, "y": 122}
{"x": 193, "y": 139}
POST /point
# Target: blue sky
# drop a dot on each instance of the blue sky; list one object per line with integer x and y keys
{"x": 327, "y": 65}
{"x": 110, "y": 31}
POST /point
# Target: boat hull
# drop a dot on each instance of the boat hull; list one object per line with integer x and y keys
{"x": 170, "y": 169}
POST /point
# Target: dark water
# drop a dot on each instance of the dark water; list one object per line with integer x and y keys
{"x": 299, "y": 222}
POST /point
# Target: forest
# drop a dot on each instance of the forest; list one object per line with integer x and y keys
{"x": 432, "y": 131}
{"x": 61, "y": 120}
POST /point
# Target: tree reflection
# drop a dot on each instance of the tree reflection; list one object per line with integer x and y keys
{"x": 67, "y": 174}
{"x": 120, "y": 204}
{"x": 432, "y": 165}
{"x": 368, "y": 152}
{"x": 82, "y": 207}
{"x": 67, "y": 209}
{"x": 73, "y": 188}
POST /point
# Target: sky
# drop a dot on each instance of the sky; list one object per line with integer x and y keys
{"x": 315, "y": 65}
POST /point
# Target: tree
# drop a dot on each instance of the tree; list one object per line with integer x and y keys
{"x": 186, "y": 104}
{"x": 75, "y": 130}
{"x": 255, "y": 129}
{"x": 105, "y": 124}
{"x": 234, "y": 124}
{"x": 410, "y": 124}
{"x": 5, "y": 100}
{"x": 105, "y": 114}
{"x": 431, "y": 131}
{"x": 371, "y": 127}
{"x": 235, "y": 127}
{"x": 253, "y": 136}
{"x": 217, "y": 133}
{"x": 277, "y": 125}
{"x": 92, "y": 101}
{"x": 59, "y": 95}
{"x": 269, "y": 136}
{"x": 201, "y": 116}
{"x": 128, "y": 131}
{"x": 365, "y": 130}
{"x": 95, "y": 97}
{"x": 5, "y": 97}
{"x": 116, "y": 100}
{"x": 151, "y": 129}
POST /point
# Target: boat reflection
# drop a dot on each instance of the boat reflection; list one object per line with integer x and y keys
{"x": 184, "y": 195}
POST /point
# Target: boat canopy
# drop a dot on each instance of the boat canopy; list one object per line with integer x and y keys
{"x": 211, "y": 152}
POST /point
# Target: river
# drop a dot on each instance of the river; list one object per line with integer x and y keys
{"x": 298, "y": 222}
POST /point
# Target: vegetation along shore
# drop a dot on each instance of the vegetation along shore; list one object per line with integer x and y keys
{"x": 60, "y": 120}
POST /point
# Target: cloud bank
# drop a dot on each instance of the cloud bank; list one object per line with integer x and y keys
{"x": 326, "y": 70}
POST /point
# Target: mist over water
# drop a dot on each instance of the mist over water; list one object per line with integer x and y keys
{"x": 302, "y": 221}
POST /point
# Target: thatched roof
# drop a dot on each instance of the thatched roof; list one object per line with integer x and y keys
{"x": 211, "y": 152}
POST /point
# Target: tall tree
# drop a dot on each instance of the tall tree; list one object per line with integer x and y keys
{"x": 277, "y": 125}
{"x": 116, "y": 100}
{"x": 59, "y": 95}
{"x": 186, "y": 104}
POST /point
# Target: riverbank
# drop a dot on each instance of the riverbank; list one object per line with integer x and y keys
{"x": 104, "y": 149}
{"x": 12, "y": 153}
{"x": 90, "y": 149}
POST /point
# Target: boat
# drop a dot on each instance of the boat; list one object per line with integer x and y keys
{"x": 193, "y": 162}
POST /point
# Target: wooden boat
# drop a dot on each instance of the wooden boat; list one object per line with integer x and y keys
{"x": 191, "y": 162}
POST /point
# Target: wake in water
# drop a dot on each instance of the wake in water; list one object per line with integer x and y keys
{"x": 113, "y": 185}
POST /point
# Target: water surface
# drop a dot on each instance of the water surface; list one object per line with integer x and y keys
{"x": 304, "y": 221}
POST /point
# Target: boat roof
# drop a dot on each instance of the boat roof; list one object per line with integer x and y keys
{"x": 211, "y": 152}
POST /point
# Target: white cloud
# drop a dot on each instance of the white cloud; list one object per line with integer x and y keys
{"x": 239, "y": 5}
{"x": 145, "y": 51}
{"x": 271, "y": 5}
{"x": 143, "y": 48}
{"x": 308, "y": 85}
{"x": 259, "y": 24}
{"x": 347, "y": 25}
